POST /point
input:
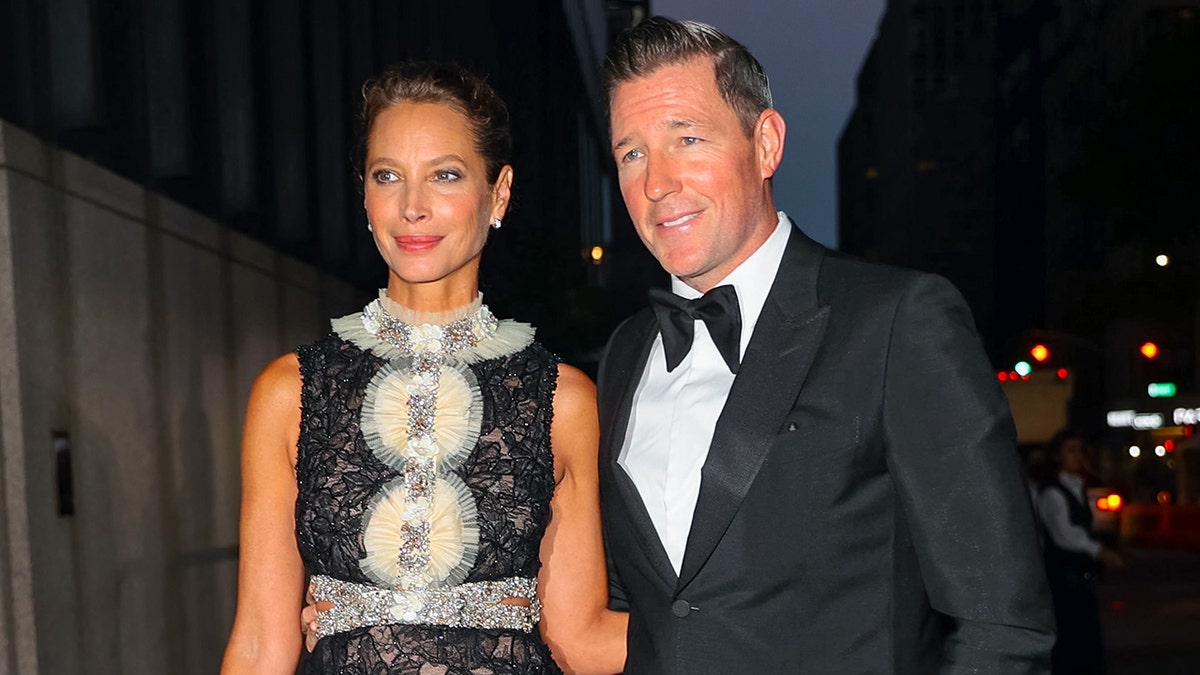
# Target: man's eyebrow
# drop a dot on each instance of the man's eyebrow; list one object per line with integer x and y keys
{"x": 681, "y": 123}
{"x": 669, "y": 123}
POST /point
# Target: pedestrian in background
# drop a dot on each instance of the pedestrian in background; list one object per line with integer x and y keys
{"x": 1074, "y": 557}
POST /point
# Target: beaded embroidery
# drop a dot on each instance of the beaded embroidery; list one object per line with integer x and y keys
{"x": 421, "y": 415}
{"x": 471, "y": 605}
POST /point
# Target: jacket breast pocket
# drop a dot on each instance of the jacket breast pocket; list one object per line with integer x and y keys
{"x": 806, "y": 439}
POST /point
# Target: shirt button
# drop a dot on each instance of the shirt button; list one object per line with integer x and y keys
{"x": 681, "y": 608}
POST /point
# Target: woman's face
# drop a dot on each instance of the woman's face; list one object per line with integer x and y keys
{"x": 427, "y": 195}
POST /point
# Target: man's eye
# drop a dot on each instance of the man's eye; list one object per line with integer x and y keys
{"x": 631, "y": 155}
{"x": 690, "y": 140}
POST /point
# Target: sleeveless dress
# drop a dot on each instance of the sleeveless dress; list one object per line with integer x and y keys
{"x": 351, "y": 472}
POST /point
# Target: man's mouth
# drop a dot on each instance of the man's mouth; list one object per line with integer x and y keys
{"x": 680, "y": 220}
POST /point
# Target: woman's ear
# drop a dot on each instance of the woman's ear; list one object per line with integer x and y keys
{"x": 502, "y": 193}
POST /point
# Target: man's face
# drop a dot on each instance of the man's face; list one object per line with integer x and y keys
{"x": 694, "y": 183}
{"x": 1073, "y": 459}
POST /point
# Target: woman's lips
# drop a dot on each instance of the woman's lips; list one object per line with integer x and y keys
{"x": 416, "y": 243}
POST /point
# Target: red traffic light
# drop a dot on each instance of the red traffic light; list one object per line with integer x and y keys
{"x": 1149, "y": 350}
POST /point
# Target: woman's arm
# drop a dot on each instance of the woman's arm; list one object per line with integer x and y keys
{"x": 584, "y": 636}
{"x": 266, "y": 638}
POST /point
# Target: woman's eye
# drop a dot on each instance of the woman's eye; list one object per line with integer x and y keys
{"x": 447, "y": 175}
{"x": 384, "y": 176}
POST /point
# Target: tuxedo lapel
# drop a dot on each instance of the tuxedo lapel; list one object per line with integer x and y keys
{"x": 786, "y": 337}
{"x": 623, "y": 370}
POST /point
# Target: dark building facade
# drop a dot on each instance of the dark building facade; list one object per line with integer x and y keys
{"x": 246, "y": 112}
{"x": 916, "y": 155}
{"x": 1040, "y": 167}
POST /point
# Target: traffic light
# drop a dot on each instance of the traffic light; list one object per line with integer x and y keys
{"x": 1149, "y": 350}
{"x": 1040, "y": 353}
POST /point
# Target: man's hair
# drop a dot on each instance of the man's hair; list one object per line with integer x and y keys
{"x": 659, "y": 41}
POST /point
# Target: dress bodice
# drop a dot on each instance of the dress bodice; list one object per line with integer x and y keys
{"x": 509, "y": 475}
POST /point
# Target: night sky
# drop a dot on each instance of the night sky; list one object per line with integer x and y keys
{"x": 812, "y": 50}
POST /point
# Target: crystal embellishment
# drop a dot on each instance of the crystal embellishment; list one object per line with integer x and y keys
{"x": 422, "y": 416}
{"x": 477, "y": 604}
{"x": 428, "y": 338}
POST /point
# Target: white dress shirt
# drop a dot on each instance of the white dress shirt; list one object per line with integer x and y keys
{"x": 674, "y": 414}
{"x": 1055, "y": 515}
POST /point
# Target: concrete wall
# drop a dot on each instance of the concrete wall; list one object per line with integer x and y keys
{"x": 135, "y": 327}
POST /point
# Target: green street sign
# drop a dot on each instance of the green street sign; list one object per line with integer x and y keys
{"x": 1161, "y": 389}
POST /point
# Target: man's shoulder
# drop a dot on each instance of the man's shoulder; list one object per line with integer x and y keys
{"x": 844, "y": 276}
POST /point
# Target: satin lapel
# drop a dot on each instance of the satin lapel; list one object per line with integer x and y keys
{"x": 622, "y": 371}
{"x": 777, "y": 360}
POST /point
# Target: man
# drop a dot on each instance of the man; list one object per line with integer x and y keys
{"x": 1074, "y": 558}
{"x": 810, "y": 469}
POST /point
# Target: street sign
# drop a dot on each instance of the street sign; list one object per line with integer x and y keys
{"x": 1161, "y": 389}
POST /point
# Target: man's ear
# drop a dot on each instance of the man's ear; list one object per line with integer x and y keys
{"x": 769, "y": 133}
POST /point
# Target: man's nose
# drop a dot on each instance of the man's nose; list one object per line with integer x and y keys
{"x": 662, "y": 178}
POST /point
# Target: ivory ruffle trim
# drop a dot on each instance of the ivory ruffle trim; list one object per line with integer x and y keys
{"x": 510, "y": 337}
{"x": 457, "y": 418}
{"x": 453, "y": 534}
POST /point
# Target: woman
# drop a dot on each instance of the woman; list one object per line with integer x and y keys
{"x": 431, "y": 467}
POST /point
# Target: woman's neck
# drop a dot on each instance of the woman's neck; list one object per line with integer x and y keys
{"x": 432, "y": 298}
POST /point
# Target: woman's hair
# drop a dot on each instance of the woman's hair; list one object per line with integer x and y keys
{"x": 659, "y": 41}
{"x": 445, "y": 84}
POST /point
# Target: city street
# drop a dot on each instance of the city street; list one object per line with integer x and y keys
{"x": 1151, "y": 613}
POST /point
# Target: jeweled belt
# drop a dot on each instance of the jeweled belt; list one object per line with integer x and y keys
{"x": 476, "y": 604}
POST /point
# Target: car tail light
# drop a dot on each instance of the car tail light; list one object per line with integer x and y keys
{"x": 1109, "y": 502}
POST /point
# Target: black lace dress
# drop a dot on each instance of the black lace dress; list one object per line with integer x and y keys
{"x": 509, "y": 474}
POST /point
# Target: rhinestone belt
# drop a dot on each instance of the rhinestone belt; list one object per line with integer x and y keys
{"x": 468, "y": 605}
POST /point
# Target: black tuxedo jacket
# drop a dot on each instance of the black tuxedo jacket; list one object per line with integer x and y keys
{"x": 861, "y": 508}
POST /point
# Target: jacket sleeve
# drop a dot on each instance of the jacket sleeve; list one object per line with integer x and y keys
{"x": 951, "y": 448}
{"x": 618, "y": 597}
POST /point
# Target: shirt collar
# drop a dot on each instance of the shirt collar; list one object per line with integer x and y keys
{"x": 752, "y": 279}
{"x": 1070, "y": 480}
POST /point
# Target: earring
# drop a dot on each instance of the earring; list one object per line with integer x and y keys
{"x": 369, "y": 228}
{"x": 496, "y": 223}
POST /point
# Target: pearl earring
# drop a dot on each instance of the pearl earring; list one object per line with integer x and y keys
{"x": 369, "y": 228}
{"x": 496, "y": 223}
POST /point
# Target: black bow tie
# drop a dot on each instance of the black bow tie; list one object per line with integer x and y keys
{"x": 718, "y": 309}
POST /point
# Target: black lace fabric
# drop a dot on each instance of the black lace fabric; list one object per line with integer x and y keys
{"x": 510, "y": 473}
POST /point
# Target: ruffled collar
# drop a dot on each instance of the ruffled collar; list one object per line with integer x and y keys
{"x": 464, "y": 335}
